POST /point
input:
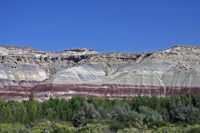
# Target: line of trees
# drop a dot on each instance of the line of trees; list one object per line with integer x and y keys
{"x": 123, "y": 112}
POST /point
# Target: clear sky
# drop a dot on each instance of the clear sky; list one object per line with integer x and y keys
{"x": 102, "y": 25}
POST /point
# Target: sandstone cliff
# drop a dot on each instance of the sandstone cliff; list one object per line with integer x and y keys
{"x": 83, "y": 71}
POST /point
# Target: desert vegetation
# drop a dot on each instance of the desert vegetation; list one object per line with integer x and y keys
{"x": 177, "y": 113}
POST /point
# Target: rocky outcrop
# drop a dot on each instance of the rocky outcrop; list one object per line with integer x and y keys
{"x": 106, "y": 75}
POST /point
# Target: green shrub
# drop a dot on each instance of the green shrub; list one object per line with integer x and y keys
{"x": 123, "y": 113}
{"x": 115, "y": 126}
{"x": 180, "y": 112}
{"x": 128, "y": 130}
{"x": 192, "y": 129}
{"x": 15, "y": 128}
{"x": 59, "y": 128}
{"x": 157, "y": 124}
{"x": 149, "y": 115}
{"x": 94, "y": 128}
{"x": 105, "y": 113}
{"x": 169, "y": 130}
{"x": 89, "y": 121}
{"x": 43, "y": 126}
{"x": 87, "y": 111}
{"x": 165, "y": 114}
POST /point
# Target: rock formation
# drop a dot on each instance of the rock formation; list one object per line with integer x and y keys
{"x": 83, "y": 71}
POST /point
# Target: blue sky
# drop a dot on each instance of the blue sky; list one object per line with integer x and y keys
{"x": 102, "y": 25}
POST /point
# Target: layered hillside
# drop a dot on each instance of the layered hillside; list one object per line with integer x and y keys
{"x": 83, "y": 71}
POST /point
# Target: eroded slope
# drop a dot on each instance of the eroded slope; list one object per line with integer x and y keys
{"x": 107, "y": 75}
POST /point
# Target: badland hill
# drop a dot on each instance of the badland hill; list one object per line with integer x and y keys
{"x": 25, "y": 70}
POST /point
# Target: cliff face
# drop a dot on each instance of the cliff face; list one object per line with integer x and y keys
{"x": 106, "y": 75}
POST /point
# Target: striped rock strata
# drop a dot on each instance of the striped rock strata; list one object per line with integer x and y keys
{"x": 103, "y": 75}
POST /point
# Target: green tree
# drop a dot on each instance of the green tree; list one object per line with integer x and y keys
{"x": 31, "y": 110}
{"x": 31, "y": 97}
{"x": 180, "y": 112}
{"x": 149, "y": 114}
{"x": 87, "y": 111}
{"x": 165, "y": 114}
{"x": 2, "y": 104}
